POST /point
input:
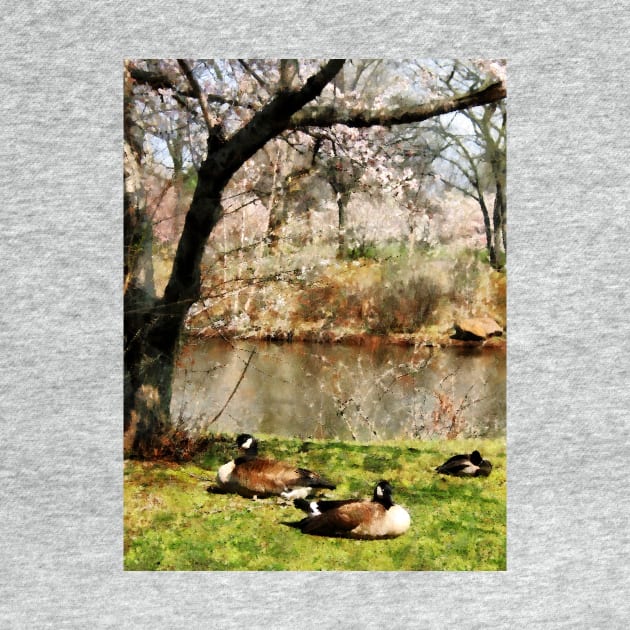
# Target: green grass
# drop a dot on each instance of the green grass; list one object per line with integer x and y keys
{"x": 172, "y": 522}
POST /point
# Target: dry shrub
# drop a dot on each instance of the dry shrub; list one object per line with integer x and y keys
{"x": 446, "y": 418}
{"x": 175, "y": 445}
{"x": 317, "y": 302}
{"x": 405, "y": 306}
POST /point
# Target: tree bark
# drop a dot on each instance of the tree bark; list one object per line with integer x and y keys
{"x": 498, "y": 160}
{"x": 342, "y": 202}
{"x": 497, "y": 219}
{"x": 153, "y": 327}
{"x": 327, "y": 116}
{"x": 278, "y": 215}
{"x": 488, "y": 228}
{"x": 139, "y": 290}
{"x": 277, "y": 208}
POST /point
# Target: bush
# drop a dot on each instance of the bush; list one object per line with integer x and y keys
{"x": 406, "y": 305}
{"x": 365, "y": 249}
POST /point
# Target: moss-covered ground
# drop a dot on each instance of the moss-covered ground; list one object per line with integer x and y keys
{"x": 173, "y": 522}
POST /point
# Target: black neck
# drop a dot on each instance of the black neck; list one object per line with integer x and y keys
{"x": 248, "y": 453}
{"x": 385, "y": 499}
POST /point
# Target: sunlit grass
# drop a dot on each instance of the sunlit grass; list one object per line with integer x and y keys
{"x": 172, "y": 522}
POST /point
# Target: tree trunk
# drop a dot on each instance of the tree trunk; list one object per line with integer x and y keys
{"x": 341, "y": 235}
{"x": 504, "y": 228}
{"x": 139, "y": 290}
{"x": 497, "y": 160}
{"x": 497, "y": 220}
{"x": 176, "y": 151}
{"x": 276, "y": 208}
{"x": 278, "y": 215}
{"x": 153, "y": 327}
{"x": 488, "y": 229}
{"x": 148, "y": 377}
{"x": 343, "y": 176}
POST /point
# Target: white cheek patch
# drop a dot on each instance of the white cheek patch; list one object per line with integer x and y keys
{"x": 379, "y": 491}
{"x": 314, "y": 508}
{"x": 247, "y": 443}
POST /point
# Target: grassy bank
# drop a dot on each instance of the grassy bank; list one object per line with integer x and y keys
{"x": 172, "y": 522}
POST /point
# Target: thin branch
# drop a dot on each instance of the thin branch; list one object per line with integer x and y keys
{"x": 227, "y": 402}
{"x": 158, "y": 80}
{"x": 197, "y": 91}
{"x": 464, "y": 191}
{"x": 253, "y": 73}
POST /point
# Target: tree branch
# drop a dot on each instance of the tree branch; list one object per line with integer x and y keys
{"x": 253, "y": 73}
{"x": 326, "y": 116}
{"x": 272, "y": 119}
{"x": 227, "y": 402}
{"x": 158, "y": 80}
{"x": 222, "y": 161}
{"x": 197, "y": 92}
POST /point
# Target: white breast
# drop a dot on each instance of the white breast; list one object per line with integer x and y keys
{"x": 395, "y": 521}
{"x": 470, "y": 469}
{"x": 398, "y": 520}
{"x": 224, "y": 474}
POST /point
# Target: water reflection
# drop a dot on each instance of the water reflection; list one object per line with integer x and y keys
{"x": 324, "y": 391}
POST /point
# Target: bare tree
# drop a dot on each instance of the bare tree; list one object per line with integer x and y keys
{"x": 477, "y": 156}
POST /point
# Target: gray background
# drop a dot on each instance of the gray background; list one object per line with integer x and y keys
{"x": 61, "y": 329}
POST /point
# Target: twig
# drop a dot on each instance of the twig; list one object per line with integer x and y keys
{"x": 227, "y": 402}
{"x": 251, "y": 71}
{"x": 198, "y": 92}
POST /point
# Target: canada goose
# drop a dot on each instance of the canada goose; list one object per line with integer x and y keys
{"x": 472, "y": 465}
{"x": 253, "y": 476}
{"x": 365, "y": 519}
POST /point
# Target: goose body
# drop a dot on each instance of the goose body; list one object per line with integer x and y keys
{"x": 472, "y": 465}
{"x": 253, "y": 476}
{"x": 363, "y": 519}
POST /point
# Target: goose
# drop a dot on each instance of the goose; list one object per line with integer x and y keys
{"x": 472, "y": 465}
{"x": 352, "y": 518}
{"x": 252, "y": 476}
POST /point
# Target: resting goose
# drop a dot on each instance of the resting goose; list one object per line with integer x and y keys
{"x": 253, "y": 476}
{"x": 352, "y": 518}
{"x": 472, "y": 465}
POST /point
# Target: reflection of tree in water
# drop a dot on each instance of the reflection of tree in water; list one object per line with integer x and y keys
{"x": 424, "y": 397}
{"x": 347, "y": 392}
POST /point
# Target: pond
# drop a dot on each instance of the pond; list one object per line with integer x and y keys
{"x": 372, "y": 391}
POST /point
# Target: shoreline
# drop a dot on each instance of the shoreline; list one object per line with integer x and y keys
{"x": 346, "y": 337}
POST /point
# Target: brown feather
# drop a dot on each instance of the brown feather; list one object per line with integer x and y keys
{"x": 378, "y": 518}
{"x": 263, "y": 476}
{"x": 343, "y": 519}
{"x": 250, "y": 475}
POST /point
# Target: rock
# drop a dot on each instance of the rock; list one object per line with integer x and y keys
{"x": 476, "y": 329}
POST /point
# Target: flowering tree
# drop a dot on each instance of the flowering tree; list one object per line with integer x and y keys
{"x": 229, "y": 110}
